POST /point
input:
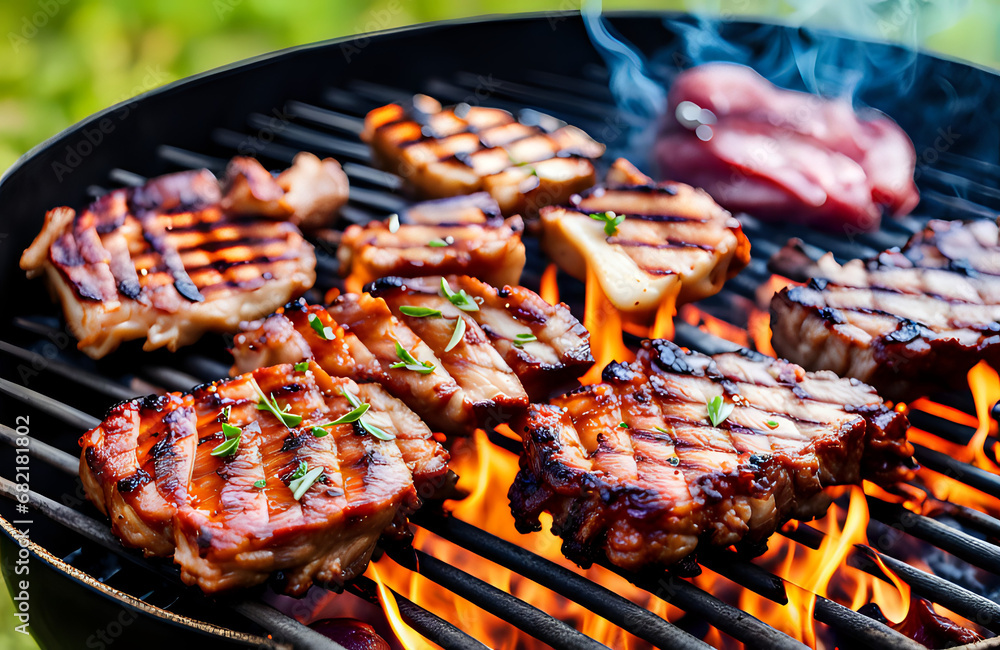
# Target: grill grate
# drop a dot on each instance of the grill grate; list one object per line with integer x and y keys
{"x": 956, "y": 187}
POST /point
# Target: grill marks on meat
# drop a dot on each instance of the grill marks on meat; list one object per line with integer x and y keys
{"x": 909, "y": 321}
{"x": 485, "y": 379}
{"x": 653, "y": 490}
{"x": 461, "y": 150}
{"x": 675, "y": 243}
{"x": 560, "y": 353}
{"x": 166, "y": 262}
{"x": 461, "y": 235}
{"x": 149, "y": 467}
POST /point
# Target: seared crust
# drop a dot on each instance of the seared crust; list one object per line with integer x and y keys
{"x": 445, "y": 152}
{"x": 485, "y": 378}
{"x": 462, "y": 235}
{"x": 908, "y": 322}
{"x": 166, "y": 263}
{"x": 652, "y": 491}
{"x": 675, "y": 243}
{"x": 557, "y": 358}
{"x": 149, "y": 467}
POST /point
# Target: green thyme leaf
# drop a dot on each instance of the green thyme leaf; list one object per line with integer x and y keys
{"x": 230, "y": 431}
{"x": 622, "y": 425}
{"x": 302, "y": 366}
{"x": 457, "y": 335}
{"x": 367, "y": 426}
{"x": 418, "y": 312}
{"x": 261, "y": 483}
{"x": 719, "y": 410}
{"x": 353, "y": 416}
{"x": 410, "y": 362}
{"x": 521, "y": 339}
{"x": 318, "y": 431}
{"x": 662, "y": 430}
{"x": 325, "y": 333}
{"x": 462, "y": 300}
{"x": 437, "y": 243}
{"x": 227, "y": 448}
{"x": 264, "y": 404}
{"x": 611, "y": 221}
{"x": 300, "y": 471}
{"x": 771, "y": 424}
{"x": 300, "y": 485}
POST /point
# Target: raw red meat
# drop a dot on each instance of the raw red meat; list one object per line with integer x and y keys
{"x": 779, "y": 154}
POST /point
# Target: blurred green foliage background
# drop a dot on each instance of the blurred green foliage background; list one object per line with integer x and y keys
{"x": 61, "y": 60}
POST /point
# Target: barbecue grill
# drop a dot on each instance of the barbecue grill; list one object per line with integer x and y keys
{"x": 83, "y": 585}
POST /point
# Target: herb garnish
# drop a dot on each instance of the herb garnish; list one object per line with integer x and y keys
{"x": 521, "y": 339}
{"x": 462, "y": 300}
{"x": 231, "y": 443}
{"x": 261, "y": 483}
{"x": 370, "y": 428}
{"x": 437, "y": 243}
{"x": 410, "y": 362}
{"x": 771, "y": 424}
{"x": 303, "y": 479}
{"x": 457, "y": 335}
{"x": 662, "y": 430}
{"x": 264, "y": 404}
{"x": 611, "y": 221}
{"x": 418, "y": 312}
{"x": 719, "y": 410}
{"x": 302, "y": 366}
{"x": 348, "y": 418}
{"x": 325, "y": 333}
{"x": 622, "y": 425}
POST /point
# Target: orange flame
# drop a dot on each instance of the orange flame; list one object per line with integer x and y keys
{"x": 985, "y": 385}
{"x": 663, "y": 326}
{"x": 549, "y": 285}
{"x": 694, "y": 316}
{"x": 406, "y": 635}
{"x": 487, "y": 471}
{"x": 604, "y": 323}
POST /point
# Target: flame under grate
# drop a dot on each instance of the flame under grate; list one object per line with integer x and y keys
{"x": 331, "y": 129}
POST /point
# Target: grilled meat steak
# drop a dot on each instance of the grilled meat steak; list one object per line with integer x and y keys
{"x": 445, "y": 152}
{"x": 634, "y": 469}
{"x": 674, "y": 243}
{"x": 908, "y": 322}
{"x": 168, "y": 262}
{"x": 460, "y": 235}
{"x": 310, "y": 193}
{"x": 234, "y": 490}
{"x": 544, "y": 345}
{"x": 784, "y": 155}
{"x": 513, "y": 346}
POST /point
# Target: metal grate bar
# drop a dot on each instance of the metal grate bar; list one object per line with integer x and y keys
{"x": 962, "y": 545}
{"x": 67, "y": 371}
{"x": 738, "y": 624}
{"x": 428, "y": 624}
{"x": 620, "y": 611}
{"x": 515, "y": 611}
{"x": 71, "y": 416}
{"x": 43, "y": 451}
{"x": 960, "y": 600}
